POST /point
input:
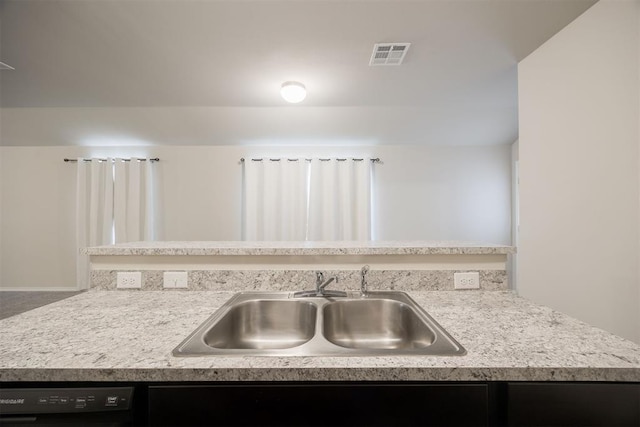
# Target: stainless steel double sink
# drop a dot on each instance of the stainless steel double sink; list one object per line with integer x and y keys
{"x": 280, "y": 324}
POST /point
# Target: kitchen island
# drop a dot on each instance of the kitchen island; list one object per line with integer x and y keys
{"x": 129, "y": 336}
{"x": 518, "y": 353}
{"x": 521, "y": 358}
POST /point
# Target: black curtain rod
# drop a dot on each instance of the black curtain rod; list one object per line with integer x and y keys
{"x": 376, "y": 160}
{"x": 156, "y": 159}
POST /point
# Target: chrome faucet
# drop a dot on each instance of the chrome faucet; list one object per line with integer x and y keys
{"x": 321, "y": 283}
{"x": 363, "y": 281}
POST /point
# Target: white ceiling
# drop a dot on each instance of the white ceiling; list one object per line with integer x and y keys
{"x": 457, "y": 85}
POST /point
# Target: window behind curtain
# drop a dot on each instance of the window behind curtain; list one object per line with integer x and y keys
{"x": 318, "y": 199}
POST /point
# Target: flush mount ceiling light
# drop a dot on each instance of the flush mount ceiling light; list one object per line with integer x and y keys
{"x": 293, "y": 92}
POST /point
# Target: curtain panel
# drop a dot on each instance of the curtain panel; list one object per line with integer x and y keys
{"x": 114, "y": 204}
{"x": 317, "y": 199}
{"x": 275, "y": 204}
{"x": 339, "y": 200}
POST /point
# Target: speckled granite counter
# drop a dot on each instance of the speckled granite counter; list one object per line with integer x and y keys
{"x": 210, "y": 265}
{"x": 301, "y": 248}
{"x": 129, "y": 336}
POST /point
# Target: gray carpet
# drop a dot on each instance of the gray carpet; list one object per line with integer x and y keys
{"x": 16, "y": 302}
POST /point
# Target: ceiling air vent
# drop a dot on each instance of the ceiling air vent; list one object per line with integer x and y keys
{"x": 389, "y": 53}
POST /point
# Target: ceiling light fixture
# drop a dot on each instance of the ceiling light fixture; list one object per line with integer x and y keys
{"x": 293, "y": 92}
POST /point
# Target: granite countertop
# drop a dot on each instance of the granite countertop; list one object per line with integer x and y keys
{"x": 301, "y": 248}
{"x": 129, "y": 336}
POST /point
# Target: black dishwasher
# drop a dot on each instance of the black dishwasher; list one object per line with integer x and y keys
{"x": 66, "y": 406}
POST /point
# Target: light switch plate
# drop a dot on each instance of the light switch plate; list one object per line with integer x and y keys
{"x": 469, "y": 280}
{"x": 175, "y": 279}
{"x": 129, "y": 280}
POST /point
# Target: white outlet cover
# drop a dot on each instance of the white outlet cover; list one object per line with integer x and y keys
{"x": 175, "y": 279}
{"x": 469, "y": 280}
{"x": 129, "y": 280}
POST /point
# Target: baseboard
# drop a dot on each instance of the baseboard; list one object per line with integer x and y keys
{"x": 39, "y": 289}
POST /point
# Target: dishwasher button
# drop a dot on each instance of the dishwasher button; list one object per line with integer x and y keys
{"x": 111, "y": 401}
{"x": 81, "y": 402}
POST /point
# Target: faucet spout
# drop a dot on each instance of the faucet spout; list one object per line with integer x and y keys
{"x": 320, "y": 291}
{"x": 321, "y": 283}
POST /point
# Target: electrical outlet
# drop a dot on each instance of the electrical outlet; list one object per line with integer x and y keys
{"x": 469, "y": 280}
{"x": 129, "y": 280}
{"x": 175, "y": 279}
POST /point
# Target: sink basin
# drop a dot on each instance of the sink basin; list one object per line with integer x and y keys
{"x": 264, "y": 324}
{"x": 280, "y": 324}
{"x": 375, "y": 323}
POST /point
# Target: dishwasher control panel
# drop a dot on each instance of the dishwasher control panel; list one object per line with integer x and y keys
{"x": 64, "y": 400}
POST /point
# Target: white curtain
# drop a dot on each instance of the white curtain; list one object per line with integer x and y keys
{"x": 275, "y": 199}
{"x": 307, "y": 200}
{"x": 340, "y": 200}
{"x": 133, "y": 200}
{"x": 114, "y": 204}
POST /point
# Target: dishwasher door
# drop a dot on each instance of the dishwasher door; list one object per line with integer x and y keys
{"x": 64, "y": 406}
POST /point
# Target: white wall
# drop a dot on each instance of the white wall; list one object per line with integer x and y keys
{"x": 579, "y": 119}
{"x": 440, "y": 193}
{"x": 515, "y": 212}
{"x": 1, "y": 210}
{"x": 444, "y": 193}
